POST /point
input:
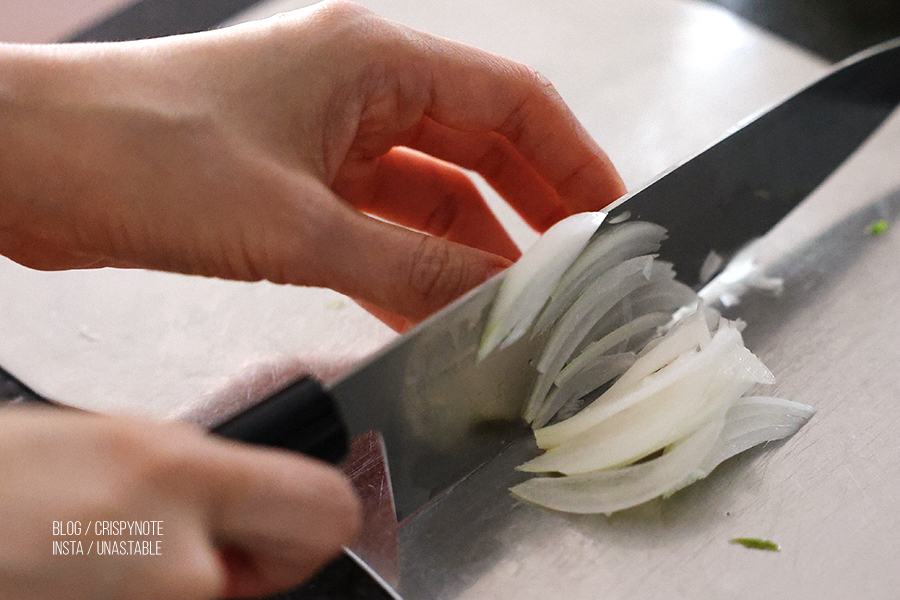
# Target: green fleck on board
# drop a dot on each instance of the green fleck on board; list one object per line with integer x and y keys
{"x": 756, "y": 544}
{"x": 878, "y": 227}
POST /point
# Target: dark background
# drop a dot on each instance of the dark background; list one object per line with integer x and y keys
{"x": 833, "y": 29}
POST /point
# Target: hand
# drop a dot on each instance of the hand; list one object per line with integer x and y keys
{"x": 236, "y": 521}
{"x": 253, "y": 153}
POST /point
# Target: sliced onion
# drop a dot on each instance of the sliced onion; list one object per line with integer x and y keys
{"x": 748, "y": 423}
{"x": 618, "y": 489}
{"x": 720, "y": 350}
{"x": 641, "y": 429}
{"x": 530, "y": 281}
{"x": 598, "y": 373}
{"x": 601, "y": 295}
{"x": 678, "y": 393}
{"x": 688, "y": 334}
{"x": 623, "y": 334}
{"x": 751, "y": 421}
{"x": 613, "y": 246}
{"x": 660, "y": 295}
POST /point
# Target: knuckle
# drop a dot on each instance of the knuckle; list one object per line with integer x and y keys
{"x": 442, "y": 218}
{"x": 538, "y": 80}
{"x": 436, "y": 276}
{"x": 493, "y": 161}
{"x": 534, "y": 81}
{"x": 346, "y": 9}
{"x": 337, "y": 18}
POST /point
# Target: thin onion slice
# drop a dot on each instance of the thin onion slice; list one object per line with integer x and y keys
{"x": 664, "y": 407}
{"x": 661, "y": 294}
{"x": 690, "y": 333}
{"x": 613, "y": 490}
{"x": 600, "y": 296}
{"x": 623, "y": 334}
{"x": 748, "y": 423}
{"x": 642, "y": 429}
{"x": 604, "y": 293}
{"x": 751, "y": 421}
{"x": 612, "y": 247}
{"x": 530, "y": 281}
{"x": 721, "y": 353}
{"x": 601, "y": 371}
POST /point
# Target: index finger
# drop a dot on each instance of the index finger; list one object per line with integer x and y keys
{"x": 472, "y": 90}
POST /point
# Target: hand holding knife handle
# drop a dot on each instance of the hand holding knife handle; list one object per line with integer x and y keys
{"x": 301, "y": 417}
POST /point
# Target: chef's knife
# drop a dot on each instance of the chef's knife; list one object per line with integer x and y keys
{"x": 442, "y": 414}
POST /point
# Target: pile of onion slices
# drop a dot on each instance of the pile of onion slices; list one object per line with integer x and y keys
{"x": 641, "y": 388}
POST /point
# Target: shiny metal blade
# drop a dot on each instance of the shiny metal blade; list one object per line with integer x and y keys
{"x": 442, "y": 414}
{"x": 742, "y": 186}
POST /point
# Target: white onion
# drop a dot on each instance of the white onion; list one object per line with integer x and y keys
{"x": 723, "y": 355}
{"x": 691, "y": 333}
{"x": 623, "y": 334}
{"x": 649, "y": 418}
{"x": 617, "y": 489}
{"x": 679, "y": 393}
{"x": 529, "y": 282}
{"x": 597, "y": 299}
{"x": 748, "y": 423}
{"x": 601, "y": 371}
{"x": 615, "y": 245}
{"x": 751, "y": 421}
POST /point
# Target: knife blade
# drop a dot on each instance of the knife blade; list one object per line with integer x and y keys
{"x": 740, "y": 187}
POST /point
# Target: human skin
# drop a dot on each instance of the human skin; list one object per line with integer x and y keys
{"x": 260, "y": 151}
{"x": 236, "y": 520}
{"x": 255, "y": 152}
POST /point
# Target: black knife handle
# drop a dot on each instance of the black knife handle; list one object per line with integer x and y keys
{"x": 301, "y": 416}
{"x": 343, "y": 579}
{"x": 13, "y": 391}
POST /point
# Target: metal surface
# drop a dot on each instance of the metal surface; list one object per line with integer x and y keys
{"x": 743, "y": 185}
{"x": 442, "y": 414}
